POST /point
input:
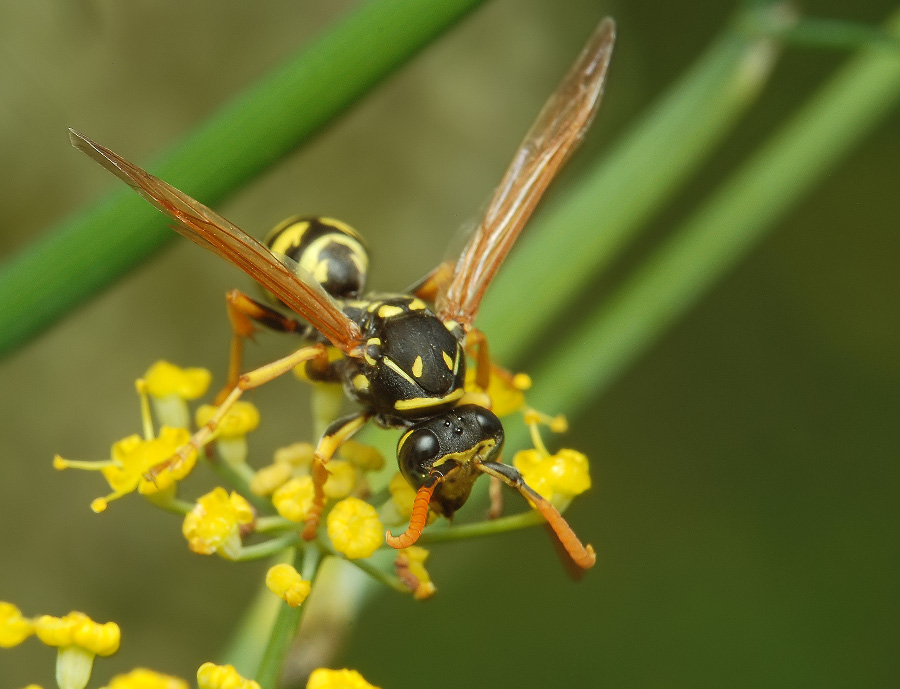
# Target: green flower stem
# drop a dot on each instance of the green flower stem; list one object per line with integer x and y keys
{"x": 267, "y": 524}
{"x": 483, "y": 528}
{"x": 256, "y": 129}
{"x": 287, "y": 620}
{"x": 368, "y": 567}
{"x": 239, "y": 480}
{"x": 260, "y": 551}
{"x": 699, "y": 252}
{"x": 608, "y": 205}
{"x": 839, "y": 35}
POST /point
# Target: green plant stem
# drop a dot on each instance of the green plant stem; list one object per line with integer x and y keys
{"x": 610, "y": 203}
{"x": 287, "y": 620}
{"x": 239, "y": 480}
{"x": 284, "y": 110}
{"x": 491, "y": 527}
{"x": 260, "y": 551}
{"x": 703, "y": 248}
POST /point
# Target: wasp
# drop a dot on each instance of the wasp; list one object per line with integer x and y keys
{"x": 402, "y": 357}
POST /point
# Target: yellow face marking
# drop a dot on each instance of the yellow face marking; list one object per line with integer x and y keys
{"x": 388, "y": 310}
{"x": 417, "y": 367}
{"x": 447, "y": 360}
{"x": 341, "y": 225}
{"x": 417, "y": 305}
{"x": 372, "y": 341}
{"x": 425, "y": 402}
{"x": 360, "y": 382}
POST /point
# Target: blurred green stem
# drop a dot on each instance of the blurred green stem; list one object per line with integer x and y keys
{"x": 248, "y": 135}
{"x": 721, "y": 232}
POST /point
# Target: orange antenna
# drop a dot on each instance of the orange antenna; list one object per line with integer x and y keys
{"x": 417, "y": 518}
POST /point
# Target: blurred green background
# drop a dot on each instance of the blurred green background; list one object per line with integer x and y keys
{"x": 745, "y": 506}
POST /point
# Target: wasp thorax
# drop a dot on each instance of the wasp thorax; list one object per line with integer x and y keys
{"x": 328, "y": 249}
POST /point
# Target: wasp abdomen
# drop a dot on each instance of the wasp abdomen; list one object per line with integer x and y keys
{"x": 330, "y": 250}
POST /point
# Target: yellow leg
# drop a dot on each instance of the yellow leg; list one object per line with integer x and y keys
{"x": 335, "y": 436}
{"x": 250, "y": 380}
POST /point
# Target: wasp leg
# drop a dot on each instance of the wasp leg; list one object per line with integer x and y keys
{"x": 335, "y": 436}
{"x": 428, "y": 287}
{"x": 582, "y": 555}
{"x": 247, "y": 381}
{"x": 242, "y": 313}
{"x": 495, "y": 492}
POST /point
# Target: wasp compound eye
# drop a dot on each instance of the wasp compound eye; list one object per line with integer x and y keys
{"x": 489, "y": 423}
{"x": 416, "y": 454}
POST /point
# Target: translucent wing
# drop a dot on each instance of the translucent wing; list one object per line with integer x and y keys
{"x": 210, "y": 230}
{"x": 553, "y": 137}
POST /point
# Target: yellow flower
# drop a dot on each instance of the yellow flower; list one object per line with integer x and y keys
{"x": 402, "y": 495}
{"x": 214, "y": 525}
{"x": 364, "y": 457}
{"x": 341, "y": 481}
{"x": 132, "y": 460}
{"x": 286, "y": 583}
{"x": 270, "y": 478}
{"x": 504, "y": 389}
{"x": 14, "y": 628}
{"x": 410, "y": 566}
{"x": 294, "y": 499}
{"x": 79, "y": 639}
{"x": 354, "y": 528}
{"x": 170, "y": 387}
{"x": 210, "y": 676}
{"x": 165, "y": 379}
{"x": 562, "y": 475}
{"x": 337, "y": 679}
{"x": 295, "y": 454}
{"x": 141, "y": 678}
{"x": 232, "y": 429}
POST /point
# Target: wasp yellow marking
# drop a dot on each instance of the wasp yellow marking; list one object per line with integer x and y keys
{"x": 425, "y": 402}
{"x": 360, "y": 382}
{"x": 447, "y": 360}
{"x": 395, "y": 367}
{"x": 288, "y": 235}
{"x": 417, "y": 367}
{"x": 403, "y": 439}
{"x": 417, "y": 305}
{"x": 371, "y": 342}
{"x": 389, "y": 310}
{"x": 342, "y": 226}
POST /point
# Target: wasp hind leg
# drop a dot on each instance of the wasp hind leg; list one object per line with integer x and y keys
{"x": 580, "y": 554}
{"x": 244, "y": 313}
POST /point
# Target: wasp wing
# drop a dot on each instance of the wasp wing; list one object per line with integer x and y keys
{"x": 298, "y": 290}
{"x": 553, "y": 137}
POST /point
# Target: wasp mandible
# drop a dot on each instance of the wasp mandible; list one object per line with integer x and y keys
{"x": 402, "y": 357}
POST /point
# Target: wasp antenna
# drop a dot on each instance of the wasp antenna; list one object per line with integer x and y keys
{"x": 416, "y": 519}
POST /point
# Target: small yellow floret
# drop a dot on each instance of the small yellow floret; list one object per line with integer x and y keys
{"x": 562, "y": 475}
{"x": 364, "y": 457}
{"x": 337, "y": 679}
{"x": 354, "y": 528}
{"x": 295, "y": 454}
{"x": 505, "y": 391}
{"x": 214, "y": 525}
{"x": 141, "y": 678}
{"x": 270, "y": 478}
{"x": 242, "y": 418}
{"x": 14, "y": 627}
{"x": 410, "y": 566}
{"x": 342, "y": 476}
{"x": 77, "y": 629}
{"x": 286, "y": 583}
{"x": 164, "y": 379}
{"x": 402, "y": 495}
{"x": 294, "y": 499}
{"x": 210, "y": 676}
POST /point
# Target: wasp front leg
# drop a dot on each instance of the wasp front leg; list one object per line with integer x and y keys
{"x": 243, "y": 314}
{"x": 335, "y": 436}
